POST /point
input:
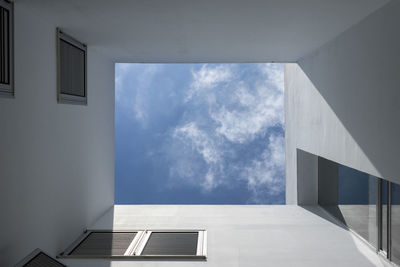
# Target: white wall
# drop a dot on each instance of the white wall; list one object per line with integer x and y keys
{"x": 345, "y": 98}
{"x": 56, "y": 160}
{"x": 208, "y": 30}
{"x": 244, "y": 236}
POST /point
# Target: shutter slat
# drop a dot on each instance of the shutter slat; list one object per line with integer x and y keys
{"x": 42, "y": 260}
{"x": 72, "y": 69}
{"x": 105, "y": 244}
{"x": 171, "y": 243}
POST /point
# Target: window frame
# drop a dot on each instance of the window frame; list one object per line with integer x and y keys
{"x": 135, "y": 249}
{"x": 7, "y": 90}
{"x": 67, "y": 98}
{"x": 379, "y": 225}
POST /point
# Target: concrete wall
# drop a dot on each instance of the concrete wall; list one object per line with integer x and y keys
{"x": 344, "y": 98}
{"x": 57, "y": 160}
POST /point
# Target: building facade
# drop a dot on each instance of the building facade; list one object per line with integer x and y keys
{"x": 341, "y": 102}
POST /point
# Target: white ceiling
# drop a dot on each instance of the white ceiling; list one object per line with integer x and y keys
{"x": 206, "y": 30}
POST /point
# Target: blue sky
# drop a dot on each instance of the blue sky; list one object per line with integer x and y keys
{"x": 199, "y": 134}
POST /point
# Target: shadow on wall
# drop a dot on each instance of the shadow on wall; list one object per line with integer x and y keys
{"x": 320, "y": 212}
{"x": 349, "y": 243}
{"x": 358, "y": 76}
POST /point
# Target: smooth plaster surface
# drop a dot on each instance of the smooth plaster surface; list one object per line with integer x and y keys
{"x": 260, "y": 235}
{"x": 56, "y": 160}
{"x": 343, "y": 102}
{"x": 207, "y": 30}
{"x": 344, "y": 99}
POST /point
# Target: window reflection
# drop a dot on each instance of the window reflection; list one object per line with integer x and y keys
{"x": 395, "y": 233}
{"x": 352, "y": 197}
{"x": 384, "y": 197}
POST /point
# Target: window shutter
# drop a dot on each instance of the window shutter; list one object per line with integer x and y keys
{"x": 72, "y": 70}
{"x": 104, "y": 244}
{"x": 6, "y": 48}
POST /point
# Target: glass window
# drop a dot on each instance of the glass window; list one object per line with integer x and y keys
{"x": 384, "y": 221}
{"x": 357, "y": 202}
{"x": 395, "y": 209}
{"x": 350, "y": 196}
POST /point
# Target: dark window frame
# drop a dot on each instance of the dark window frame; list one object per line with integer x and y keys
{"x": 64, "y": 97}
{"x": 7, "y": 89}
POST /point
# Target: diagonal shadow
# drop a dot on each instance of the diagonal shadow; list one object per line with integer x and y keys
{"x": 358, "y": 77}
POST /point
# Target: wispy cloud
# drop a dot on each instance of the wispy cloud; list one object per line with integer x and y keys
{"x": 199, "y": 141}
{"x": 195, "y": 141}
{"x": 240, "y": 108}
{"x": 264, "y": 174}
{"x": 135, "y": 99}
{"x": 208, "y": 77}
{"x": 207, "y": 126}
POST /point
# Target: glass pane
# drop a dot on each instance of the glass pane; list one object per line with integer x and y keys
{"x": 357, "y": 202}
{"x": 395, "y": 223}
{"x": 171, "y": 244}
{"x": 350, "y": 196}
{"x": 384, "y": 196}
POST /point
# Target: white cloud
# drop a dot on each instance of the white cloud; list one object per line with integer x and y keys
{"x": 264, "y": 175}
{"x": 135, "y": 99}
{"x": 120, "y": 71}
{"x": 187, "y": 165}
{"x": 252, "y": 113}
{"x": 199, "y": 141}
{"x": 237, "y": 111}
{"x": 242, "y": 109}
{"x": 274, "y": 74}
{"x": 207, "y": 78}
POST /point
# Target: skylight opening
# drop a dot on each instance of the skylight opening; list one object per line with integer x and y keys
{"x": 199, "y": 134}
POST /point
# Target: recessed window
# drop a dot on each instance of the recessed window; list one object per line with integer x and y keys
{"x": 367, "y": 205}
{"x": 71, "y": 62}
{"x": 39, "y": 258}
{"x": 6, "y": 48}
{"x": 140, "y": 244}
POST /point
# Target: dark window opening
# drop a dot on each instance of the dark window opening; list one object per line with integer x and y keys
{"x": 72, "y": 80}
{"x": 166, "y": 243}
{"x": 368, "y": 205}
{"x": 6, "y": 48}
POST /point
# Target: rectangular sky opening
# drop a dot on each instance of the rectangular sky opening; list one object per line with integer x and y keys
{"x": 199, "y": 134}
